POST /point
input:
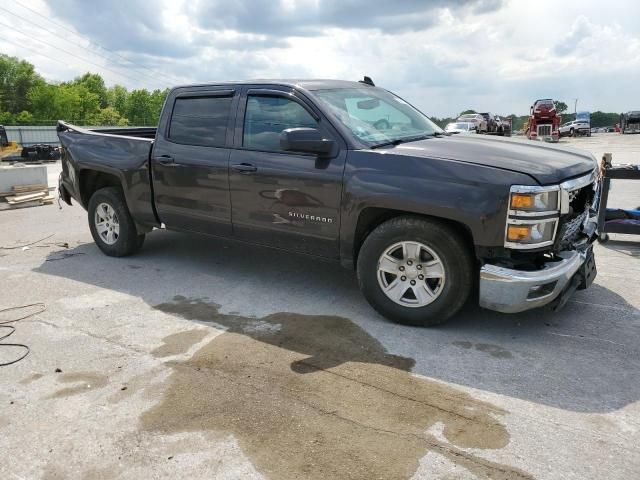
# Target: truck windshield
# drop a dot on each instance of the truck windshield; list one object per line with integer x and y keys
{"x": 376, "y": 116}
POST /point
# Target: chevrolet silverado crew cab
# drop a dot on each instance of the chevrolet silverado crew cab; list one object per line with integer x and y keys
{"x": 350, "y": 172}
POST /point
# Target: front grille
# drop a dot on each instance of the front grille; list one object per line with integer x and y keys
{"x": 569, "y": 231}
{"x": 580, "y": 199}
{"x": 544, "y": 130}
{"x": 570, "y": 225}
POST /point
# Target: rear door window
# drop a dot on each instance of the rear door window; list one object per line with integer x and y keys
{"x": 200, "y": 120}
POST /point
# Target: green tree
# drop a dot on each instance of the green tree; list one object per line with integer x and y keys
{"x": 561, "y": 107}
{"x": 24, "y": 118}
{"x": 467, "y": 111}
{"x": 6, "y": 118}
{"x": 157, "y": 101}
{"x": 117, "y": 98}
{"x": 603, "y": 119}
{"x": 17, "y": 77}
{"x": 95, "y": 84}
{"x": 44, "y": 101}
{"x": 108, "y": 117}
{"x": 139, "y": 111}
{"x": 89, "y": 102}
{"x": 67, "y": 101}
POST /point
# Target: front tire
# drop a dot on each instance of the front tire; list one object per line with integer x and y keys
{"x": 111, "y": 224}
{"x": 415, "y": 271}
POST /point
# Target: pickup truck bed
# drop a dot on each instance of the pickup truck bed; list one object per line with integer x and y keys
{"x": 123, "y": 153}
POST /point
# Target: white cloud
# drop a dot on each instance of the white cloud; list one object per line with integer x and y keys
{"x": 442, "y": 56}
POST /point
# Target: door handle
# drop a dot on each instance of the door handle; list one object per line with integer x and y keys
{"x": 244, "y": 168}
{"x": 165, "y": 160}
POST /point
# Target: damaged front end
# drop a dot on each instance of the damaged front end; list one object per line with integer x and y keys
{"x": 548, "y": 250}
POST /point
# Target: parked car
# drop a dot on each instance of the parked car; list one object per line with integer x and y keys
{"x": 348, "y": 172}
{"x": 575, "y": 128}
{"x": 503, "y": 126}
{"x": 460, "y": 127}
{"x": 492, "y": 126}
{"x": 477, "y": 119}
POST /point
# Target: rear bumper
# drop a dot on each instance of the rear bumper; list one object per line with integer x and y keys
{"x": 510, "y": 291}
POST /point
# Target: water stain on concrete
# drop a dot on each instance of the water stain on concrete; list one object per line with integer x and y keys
{"x": 494, "y": 350}
{"x": 178, "y": 343}
{"x": 85, "y": 381}
{"x": 463, "y": 344}
{"x": 317, "y": 397}
{"x": 31, "y": 378}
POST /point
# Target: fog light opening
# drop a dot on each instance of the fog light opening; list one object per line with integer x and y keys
{"x": 538, "y": 291}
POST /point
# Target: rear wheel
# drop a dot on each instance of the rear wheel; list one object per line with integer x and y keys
{"x": 111, "y": 224}
{"x": 415, "y": 271}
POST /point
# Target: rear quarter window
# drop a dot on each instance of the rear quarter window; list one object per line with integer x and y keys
{"x": 200, "y": 120}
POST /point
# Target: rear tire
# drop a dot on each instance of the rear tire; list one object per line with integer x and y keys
{"x": 111, "y": 224}
{"x": 443, "y": 257}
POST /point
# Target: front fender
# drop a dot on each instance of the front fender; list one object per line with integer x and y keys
{"x": 472, "y": 195}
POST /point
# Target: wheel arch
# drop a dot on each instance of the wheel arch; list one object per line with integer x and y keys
{"x": 91, "y": 180}
{"x": 371, "y": 217}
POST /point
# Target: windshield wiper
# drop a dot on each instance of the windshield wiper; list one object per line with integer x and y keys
{"x": 398, "y": 141}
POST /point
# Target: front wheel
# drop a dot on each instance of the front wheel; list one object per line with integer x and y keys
{"x": 111, "y": 224}
{"x": 415, "y": 271}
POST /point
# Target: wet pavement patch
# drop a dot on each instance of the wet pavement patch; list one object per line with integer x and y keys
{"x": 178, "y": 343}
{"x": 84, "y": 382}
{"x": 494, "y": 350}
{"x": 317, "y": 397}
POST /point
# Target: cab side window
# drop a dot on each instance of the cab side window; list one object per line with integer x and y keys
{"x": 200, "y": 121}
{"x": 267, "y": 116}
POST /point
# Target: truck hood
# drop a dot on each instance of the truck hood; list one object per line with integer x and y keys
{"x": 545, "y": 163}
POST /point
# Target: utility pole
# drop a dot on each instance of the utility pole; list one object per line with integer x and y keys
{"x": 575, "y": 106}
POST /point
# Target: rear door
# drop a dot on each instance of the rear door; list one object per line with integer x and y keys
{"x": 284, "y": 199}
{"x": 190, "y": 160}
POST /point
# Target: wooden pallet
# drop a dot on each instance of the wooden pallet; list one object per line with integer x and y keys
{"x": 28, "y": 195}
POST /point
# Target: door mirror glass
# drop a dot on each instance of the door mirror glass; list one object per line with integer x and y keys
{"x": 306, "y": 140}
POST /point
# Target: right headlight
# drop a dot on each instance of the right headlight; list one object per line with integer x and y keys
{"x": 534, "y": 202}
{"x": 533, "y": 215}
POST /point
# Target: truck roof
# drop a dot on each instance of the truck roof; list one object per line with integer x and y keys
{"x": 307, "y": 84}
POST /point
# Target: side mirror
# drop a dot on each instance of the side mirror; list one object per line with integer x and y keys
{"x": 306, "y": 140}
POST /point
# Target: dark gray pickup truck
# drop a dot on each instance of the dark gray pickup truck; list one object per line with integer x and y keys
{"x": 351, "y": 172}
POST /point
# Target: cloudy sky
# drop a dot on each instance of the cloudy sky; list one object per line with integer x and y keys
{"x": 443, "y": 56}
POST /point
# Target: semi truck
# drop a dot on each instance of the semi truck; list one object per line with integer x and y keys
{"x": 544, "y": 121}
{"x": 630, "y": 122}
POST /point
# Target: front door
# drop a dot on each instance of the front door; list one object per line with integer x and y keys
{"x": 190, "y": 162}
{"x": 279, "y": 198}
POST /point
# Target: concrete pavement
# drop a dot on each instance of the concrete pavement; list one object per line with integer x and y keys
{"x": 202, "y": 358}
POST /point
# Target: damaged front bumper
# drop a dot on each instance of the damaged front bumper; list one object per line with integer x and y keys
{"x": 510, "y": 291}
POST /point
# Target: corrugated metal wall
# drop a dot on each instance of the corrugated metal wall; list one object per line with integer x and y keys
{"x": 26, "y": 135}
